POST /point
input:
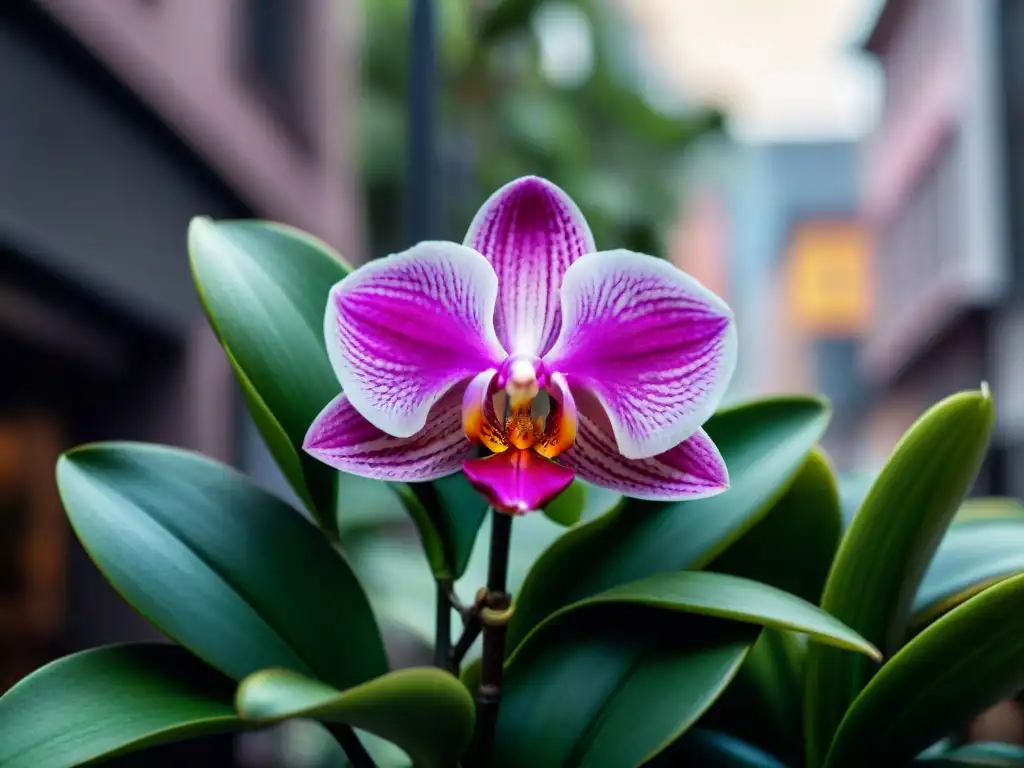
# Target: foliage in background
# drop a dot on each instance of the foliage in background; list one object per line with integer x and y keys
{"x": 738, "y": 630}
{"x": 613, "y": 152}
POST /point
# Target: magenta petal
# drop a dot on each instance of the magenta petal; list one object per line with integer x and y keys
{"x": 530, "y": 231}
{"x": 691, "y": 470}
{"x": 402, "y": 330}
{"x": 342, "y": 438}
{"x": 517, "y": 481}
{"x": 655, "y": 347}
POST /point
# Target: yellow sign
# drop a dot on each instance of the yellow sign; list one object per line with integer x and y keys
{"x": 828, "y": 280}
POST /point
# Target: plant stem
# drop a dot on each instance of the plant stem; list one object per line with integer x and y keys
{"x": 493, "y": 662}
{"x": 354, "y": 749}
{"x": 443, "y": 625}
{"x": 469, "y": 635}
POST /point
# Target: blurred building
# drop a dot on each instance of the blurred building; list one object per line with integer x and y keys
{"x": 120, "y": 120}
{"x": 774, "y": 228}
{"x": 941, "y": 172}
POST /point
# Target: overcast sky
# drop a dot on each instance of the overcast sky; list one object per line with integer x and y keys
{"x": 785, "y": 69}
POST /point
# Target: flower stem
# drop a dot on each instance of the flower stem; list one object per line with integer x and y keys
{"x": 353, "y": 747}
{"x": 496, "y": 604}
{"x": 443, "y": 625}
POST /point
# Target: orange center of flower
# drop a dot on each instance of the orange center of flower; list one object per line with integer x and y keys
{"x": 520, "y": 429}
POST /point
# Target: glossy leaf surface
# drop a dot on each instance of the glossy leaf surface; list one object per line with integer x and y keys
{"x": 219, "y": 565}
{"x": 956, "y": 668}
{"x": 712, "y": 749}
{"x": 972, "y": 556}
{"x": 716, "y": 595}
{"x": 793, "y": 546}
{"x": 764, "y": 444}
{"x": 264, "y": 287}
{"x": 886, "y": 550}
{"x": 616, "y": 693}
{"x": 110, "y": 701}
{"x": 425, "y": 711}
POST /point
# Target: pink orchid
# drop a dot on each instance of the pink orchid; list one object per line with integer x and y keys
{"x": 602, "y": 365}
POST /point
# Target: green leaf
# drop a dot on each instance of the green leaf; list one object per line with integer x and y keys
{"x": 793, "y": 546}
{"x": 567, "y": 508}
{"x": 884, "y": 553}
{"x": 425, "y": 711}
{"x": 712, "y": 749}
{"x": 764, "y": 704}
{"x": 219, "y": 565}
{"x": 264, "y": 286}
{"x": 989, "y": 507}
{"x": 971, "y": 557}
{"x": 615, "y": 690}
{"x": 956, "y": 668}
{"x": 720, "y": 596}
{"x": 764, "y": 444}
{"x": 398, "y": 579}
{"x": 979, "y": 754}
{"x": 447, "y": 514}
{"x": 109, "y": 701}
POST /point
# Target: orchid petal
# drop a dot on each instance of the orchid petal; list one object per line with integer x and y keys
{"x": 654, "y": 345}
{"x": 343, "y": 439}
{"x": 530, "y": 231}
{"x": 480, "y": 421}
{"x": 517, "y": 481}
{"x": 402, "y": 330}
{"x": 693, "y": 469}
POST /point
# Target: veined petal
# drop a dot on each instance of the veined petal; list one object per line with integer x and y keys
{"x": 517, "y": 481}
{"x": 655, "y": 346}
{"x": 693, "y": 469}
{"x": 402, "y": 330}
{"x": 342, "y": 438}
{"x": 480, "y": 421}
{"x": 530, "y": 231}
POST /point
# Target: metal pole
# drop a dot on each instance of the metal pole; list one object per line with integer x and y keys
{"x": 422, "y": 203}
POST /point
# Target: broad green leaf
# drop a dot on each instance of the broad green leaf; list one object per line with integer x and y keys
{"x": 764, "y": 443}
{"x": 615, "y": 690}
{"x": 977, "y": 755}
{"x": 447, "y": 514}
{"x": 425, "y": 711}
{"x": 989, "y": 507}
{"x": 972, "y": 556}
{"x": 712, "y": 749}
{"x": 264, "y": 286}
{"x": 219, "y": 565}
{"x": 886, "y": 550}
{"x": 853, "y": 487}
{"x": 720, "y": 596}
{"x": 567, "y": 509}
{"x": 793, "y": 546}
{"x": 956, "y": 668}
{"x": 764, "y": 704}
{"x": 109, "y": 701}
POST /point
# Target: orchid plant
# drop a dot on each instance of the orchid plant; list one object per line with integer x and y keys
{"x": 665, "y": 582}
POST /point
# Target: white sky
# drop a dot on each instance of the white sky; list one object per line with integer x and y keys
{"x": 784, "y": 69}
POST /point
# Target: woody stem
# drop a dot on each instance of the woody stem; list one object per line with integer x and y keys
{"x": 494, "y": 617}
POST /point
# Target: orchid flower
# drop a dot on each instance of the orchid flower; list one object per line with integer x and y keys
{"x": 559, "y": 359}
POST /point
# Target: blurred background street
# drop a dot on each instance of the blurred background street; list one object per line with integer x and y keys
{"x": 843, "y": 172}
